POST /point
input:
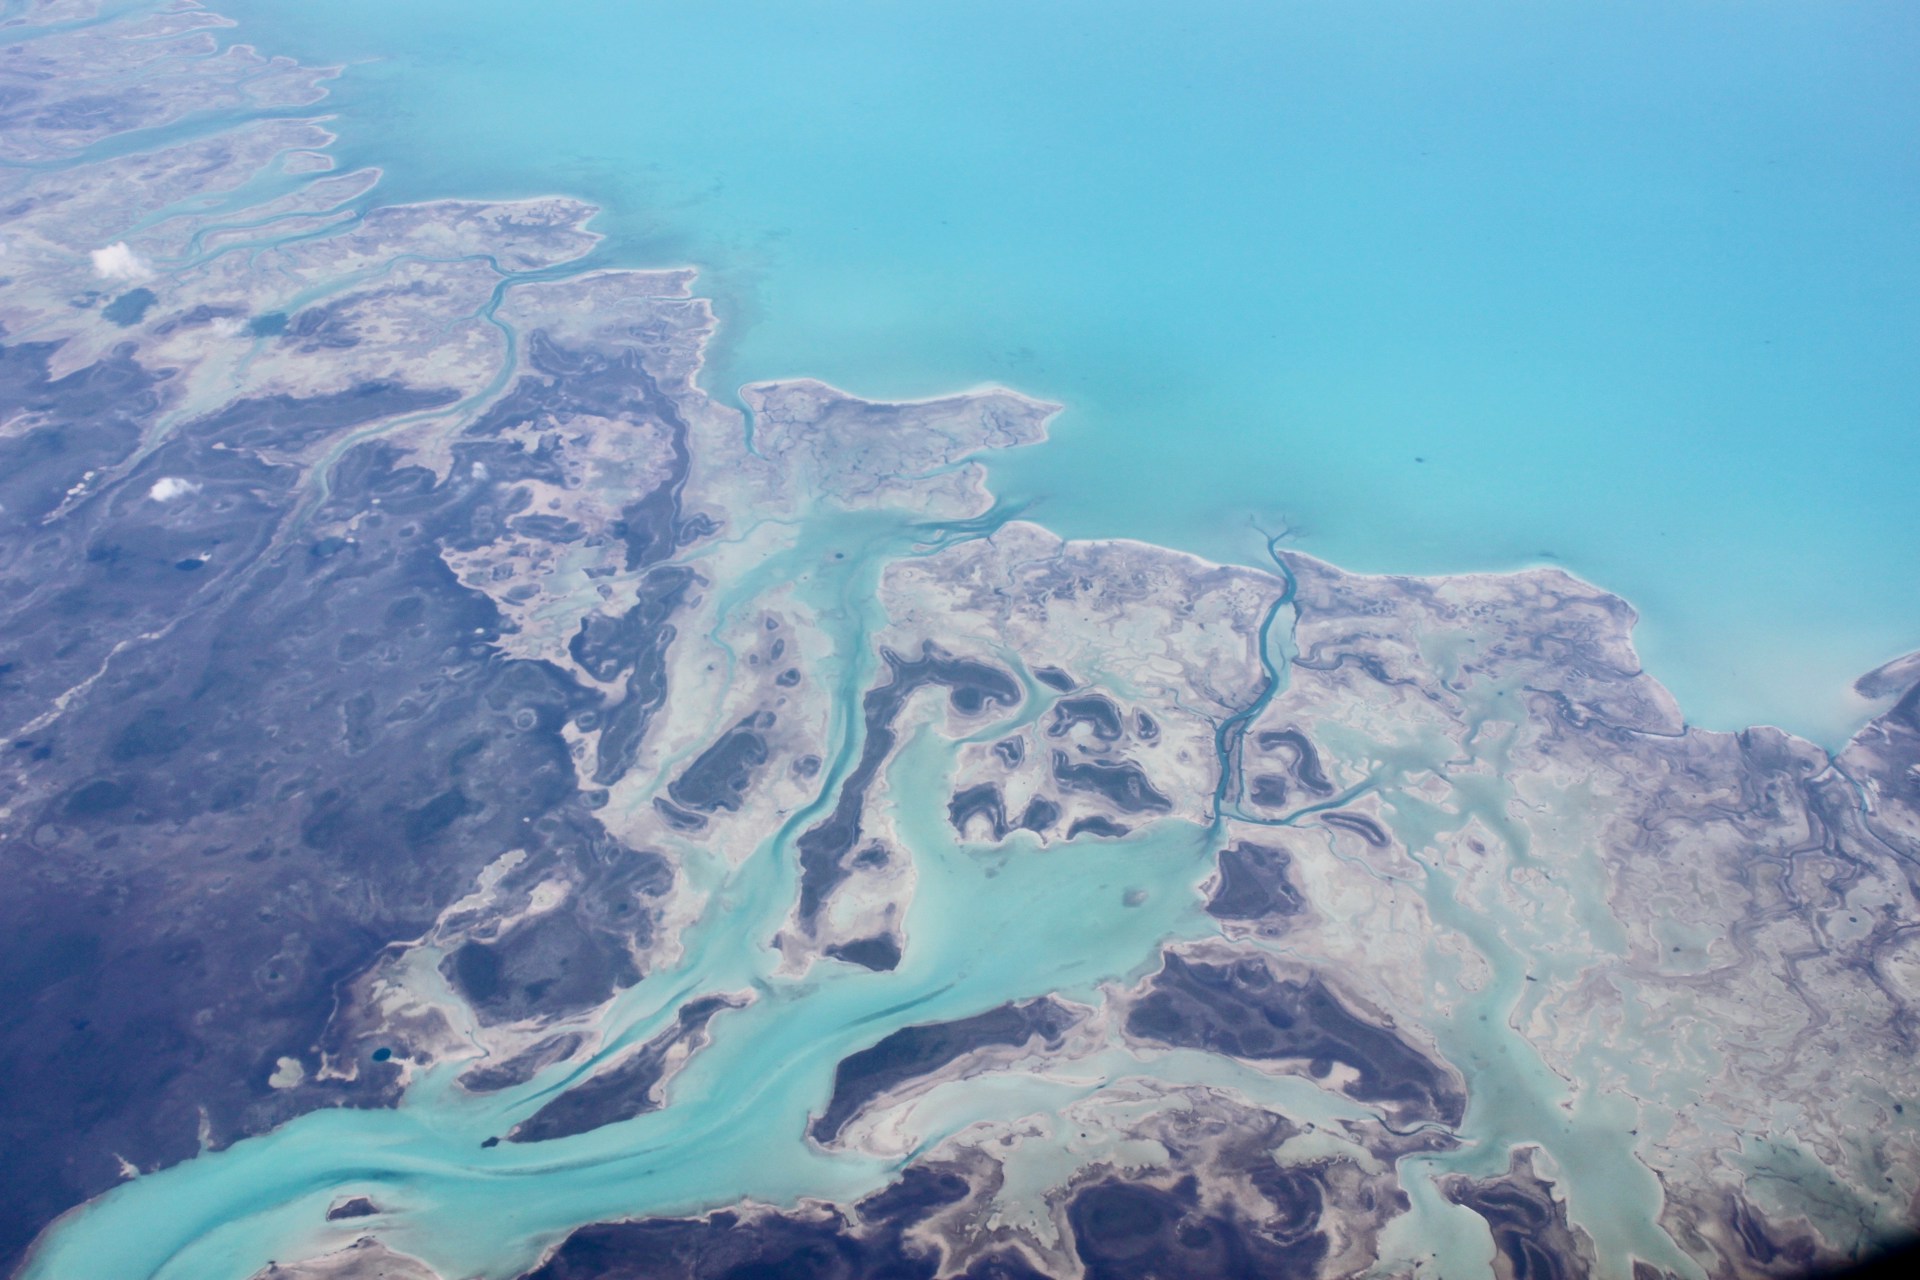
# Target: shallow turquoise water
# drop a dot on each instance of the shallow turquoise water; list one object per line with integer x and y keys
{"x": 1443, "y": 290}
{"x": 738, "y": 1114}
{"x": 1636, "y": 281}
{"x": 987, "y": 923}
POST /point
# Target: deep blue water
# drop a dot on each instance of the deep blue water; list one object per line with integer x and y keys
{"x": 1633, "y": 287}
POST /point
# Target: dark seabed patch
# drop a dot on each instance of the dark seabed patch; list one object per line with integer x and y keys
{"x": 912, "y": 1052}
{"x": 971, "y": 687}
{"x": 1254, "y": 884}
{"x": 1242, "y": 1009}
{"x": 522, "y": 1066}
{"x": 631, "y": 1086}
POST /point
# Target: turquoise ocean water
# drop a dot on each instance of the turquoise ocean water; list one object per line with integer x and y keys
{"x": 1632, "y": 288}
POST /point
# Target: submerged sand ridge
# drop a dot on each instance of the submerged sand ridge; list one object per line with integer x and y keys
{"x": 659, "y": 839}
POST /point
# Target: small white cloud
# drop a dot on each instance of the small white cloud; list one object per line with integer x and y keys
{"x": 117, "y": 262}
{"x": 167, "y": 488}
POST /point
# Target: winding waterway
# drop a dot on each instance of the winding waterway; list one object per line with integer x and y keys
{"x": 1424, "y": 306}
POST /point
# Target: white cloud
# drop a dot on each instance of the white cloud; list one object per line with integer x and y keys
{"x": 167, "y": 488}
{"x": 117, "y": 262}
